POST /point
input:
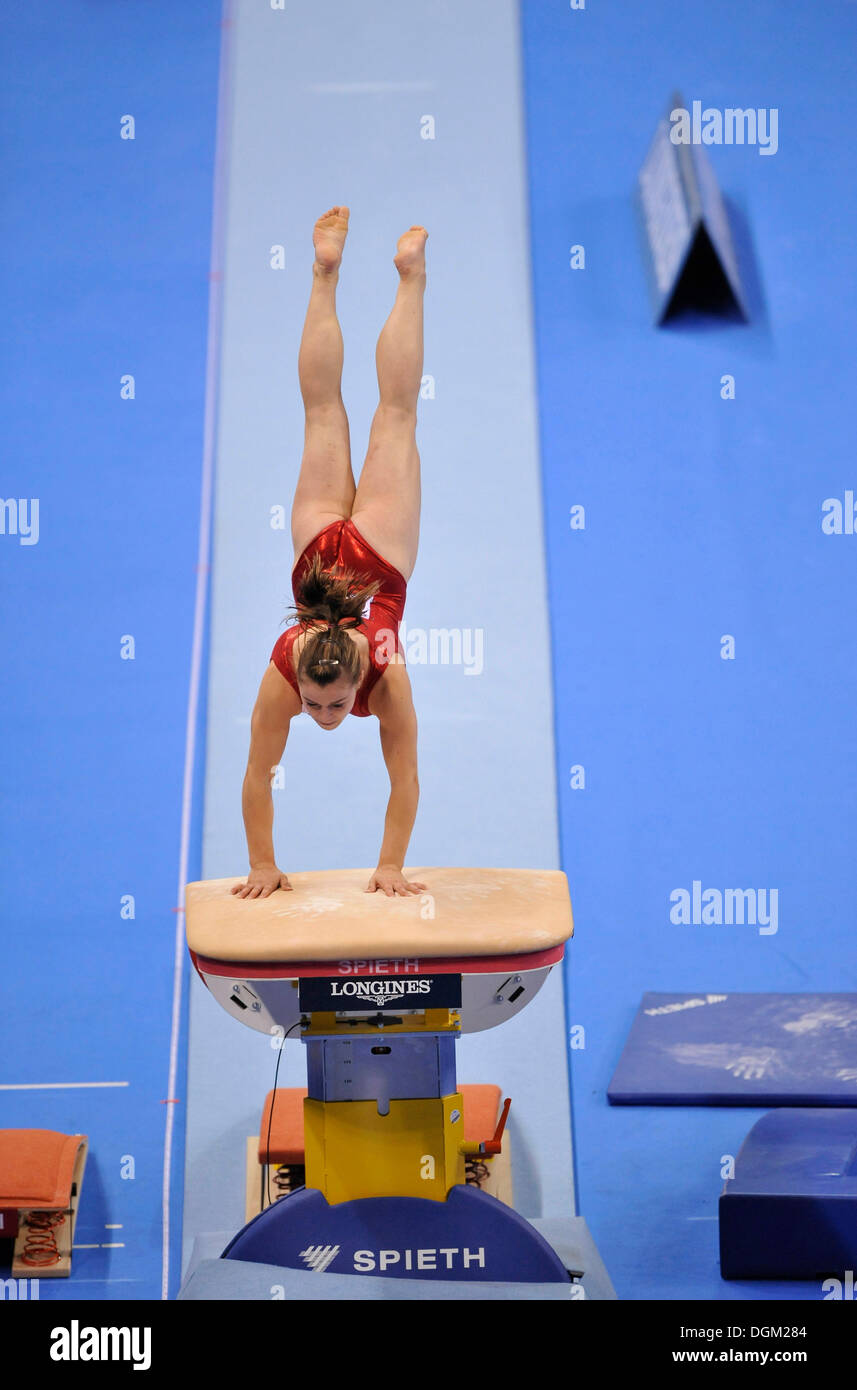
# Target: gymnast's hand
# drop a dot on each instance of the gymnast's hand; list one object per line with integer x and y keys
{"x": 390, "y": 879}
{"x": 262, "y": 881}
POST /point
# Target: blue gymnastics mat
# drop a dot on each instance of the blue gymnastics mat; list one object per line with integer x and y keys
{"x": 790, "y": 1211}
{"x": 740, "y": 1049}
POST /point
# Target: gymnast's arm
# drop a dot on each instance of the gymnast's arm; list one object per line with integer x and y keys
{"x": 276, "y": 706}
{"x": 393, "y": 704}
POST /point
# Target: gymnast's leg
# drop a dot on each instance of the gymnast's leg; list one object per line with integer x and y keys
{"x": 386, "y": 507}
{"x": 325, "y": 488}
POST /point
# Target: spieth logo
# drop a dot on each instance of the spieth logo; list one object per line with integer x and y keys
{"x": 378, "y": 992}
{"x": 318, "y": 1257}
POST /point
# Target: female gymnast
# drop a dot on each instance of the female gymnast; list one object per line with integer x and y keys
{"x": 355, "y": 550}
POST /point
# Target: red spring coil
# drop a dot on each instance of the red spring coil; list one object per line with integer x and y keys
{"x": 40, "y": 1246}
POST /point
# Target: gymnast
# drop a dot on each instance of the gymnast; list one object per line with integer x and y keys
{"x": 355, "y": 550}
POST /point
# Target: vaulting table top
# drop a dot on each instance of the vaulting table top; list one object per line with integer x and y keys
{"x": 330, "y": 916}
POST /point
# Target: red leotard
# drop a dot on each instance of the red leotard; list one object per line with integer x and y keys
{"x": 341, "y": 544}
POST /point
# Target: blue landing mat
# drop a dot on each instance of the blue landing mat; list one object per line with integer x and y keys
{"x": 239, "y": 1280}
{"x": 740, "y": 1049}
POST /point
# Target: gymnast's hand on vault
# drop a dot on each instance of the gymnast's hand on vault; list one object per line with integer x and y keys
{"x": 262, "y": 882}
{"x": 390, "y": 879}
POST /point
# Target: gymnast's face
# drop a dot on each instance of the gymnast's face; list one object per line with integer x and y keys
{"x": 328, "y": 705}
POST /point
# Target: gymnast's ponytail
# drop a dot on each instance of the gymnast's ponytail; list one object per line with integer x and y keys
{"x": 337, "y": 599}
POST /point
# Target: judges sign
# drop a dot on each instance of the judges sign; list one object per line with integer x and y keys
{"x": 690, "y": 254}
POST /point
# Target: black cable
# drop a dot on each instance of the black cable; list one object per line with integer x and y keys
{"x": 271, "y": 1111}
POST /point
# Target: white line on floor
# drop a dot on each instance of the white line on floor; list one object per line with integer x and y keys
{"x": 58, "y": 1085}
{"x": 215, "y": 296}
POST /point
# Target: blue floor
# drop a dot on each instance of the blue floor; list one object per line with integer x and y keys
{"x": 702, "y": 519}
{"x": 703, "y": 523}
{"x": 104, "y": 282}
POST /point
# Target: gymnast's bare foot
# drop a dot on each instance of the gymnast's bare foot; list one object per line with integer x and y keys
{"x": 328, "y": 238}
{"x": 410, "y": 257}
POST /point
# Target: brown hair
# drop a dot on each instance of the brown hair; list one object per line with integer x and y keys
{"x": 336, "y": 598}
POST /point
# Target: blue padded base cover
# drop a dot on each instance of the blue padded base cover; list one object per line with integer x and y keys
{"x": 790, "y": 1212}
{"x": 740, "y": 1049}
{"x": 469, "y": 1236}
{"x": 208, "y": 1276}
